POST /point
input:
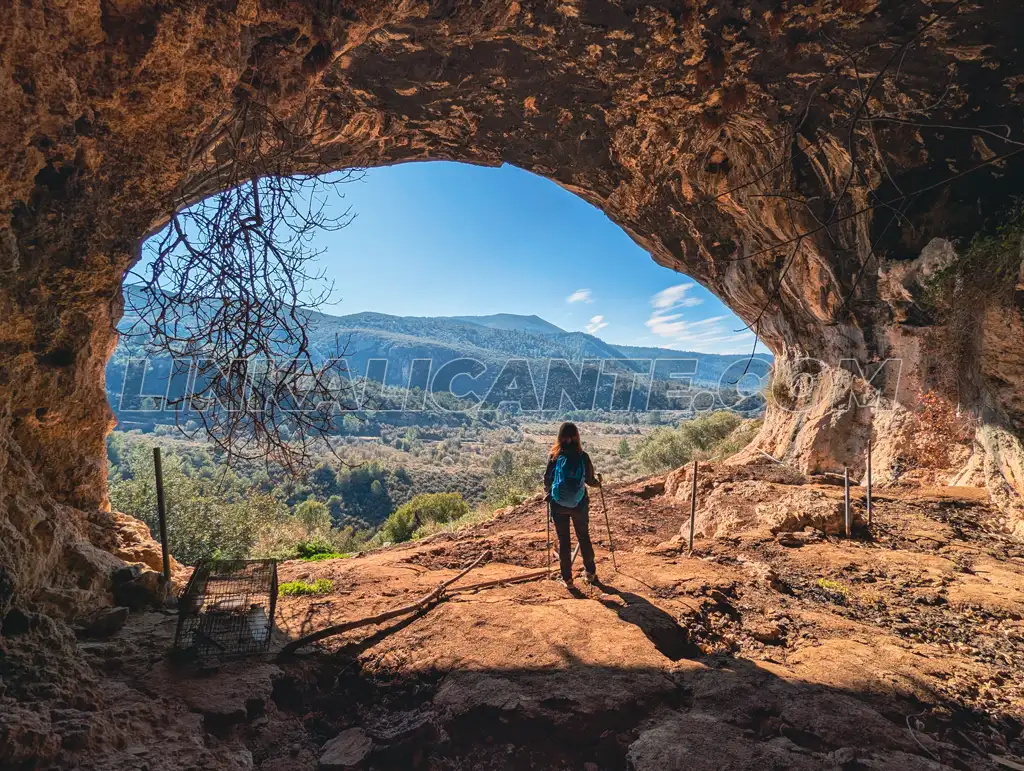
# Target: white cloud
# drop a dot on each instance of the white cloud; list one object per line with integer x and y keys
{"x": 676, "y": 295}
{"x": 597, "y": 323}
{"x": 580, "y": 296}
{"x": 715, "y": 334}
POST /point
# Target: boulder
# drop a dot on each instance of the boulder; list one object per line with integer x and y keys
{"x": 393, "y": 728}
{"x": 105, "y": 623}
{"x": 766, "y": 632}
{"x": 346, "y": 750}
{"x": 135, "y": 544}
{"x": 806, "y": 507}
{"x": 92, "y": 567}
{"x": 700, "y": 742}
{"x": 137, "y": 588}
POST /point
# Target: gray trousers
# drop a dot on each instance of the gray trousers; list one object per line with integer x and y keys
{"x": 580, "y": 517}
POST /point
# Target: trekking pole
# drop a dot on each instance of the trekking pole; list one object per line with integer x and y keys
{"x": 607, "y": 525}
{"x": 547, "y": 509}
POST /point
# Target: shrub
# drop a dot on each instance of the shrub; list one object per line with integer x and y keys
{"x": 833, "y": 591}
{"x": 299, "y": 588}
{"x": 663, "y": 449}
{"x": 707, "y": 436}
{"x": 204, "y": 517}
{"x": 480, "y": 514}
{"x": 307, "y": 550}
{"x": 743, "y": 435}
{"x": 704, "y": 432}
{"x": 424, "y": 509}
{"x": 515, "y": 476}
{"x": 321, "y": 556}
{"x": 313, "y": 515}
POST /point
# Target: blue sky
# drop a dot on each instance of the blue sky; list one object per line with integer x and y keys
{"x": 450, "y": 239}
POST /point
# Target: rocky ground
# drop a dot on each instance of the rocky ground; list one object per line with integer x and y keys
{"x": 796, "y": 649}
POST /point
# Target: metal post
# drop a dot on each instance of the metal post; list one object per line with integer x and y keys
{"x": 870, "y": 513}
{"x": 846, "y": 484}
{"x": 693, "y": 503}
{"x": 161, "y": 510}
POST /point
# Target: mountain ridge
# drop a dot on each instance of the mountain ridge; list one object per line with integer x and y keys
{"x": 494, "y": 341}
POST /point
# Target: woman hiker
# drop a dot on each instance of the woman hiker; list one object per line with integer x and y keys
{"x": 569, "y": 471}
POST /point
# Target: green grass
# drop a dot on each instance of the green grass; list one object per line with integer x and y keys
{"x": 298, "y": 588}
{"x": 327, "y": 556}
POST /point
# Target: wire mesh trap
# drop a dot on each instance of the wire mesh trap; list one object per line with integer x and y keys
{"x": 227, "y": 608}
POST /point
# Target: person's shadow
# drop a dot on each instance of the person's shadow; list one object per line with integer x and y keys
{"x": 671, "y": 639}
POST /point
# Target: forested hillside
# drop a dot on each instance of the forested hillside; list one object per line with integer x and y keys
{"x": 383, "y": 348}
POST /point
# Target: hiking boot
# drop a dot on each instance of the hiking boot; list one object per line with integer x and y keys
{"x": 566, "y": 584}
{"x": 591, "y": 578}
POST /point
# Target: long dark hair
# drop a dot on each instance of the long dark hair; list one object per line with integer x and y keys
{"x": 568, "y": 440}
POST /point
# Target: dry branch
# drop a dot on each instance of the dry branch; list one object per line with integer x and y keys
{"x": 530, "y": 576}
{"x": 421, "y": 603}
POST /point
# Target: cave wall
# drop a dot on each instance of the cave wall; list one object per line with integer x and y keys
{"x": 716, "y": 133}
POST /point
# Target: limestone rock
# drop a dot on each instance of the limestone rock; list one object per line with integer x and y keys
{"x": 462, "y": 693}
{"x": 800, "y": 537}
{"x": 6, "y": 592}
{"x": 346, "y": 750}
{"x": 138, "y": 589}
{"x": 807, "y": 508}
{"x": 651, "y": 115}
{"x": 393, "y": 728}
{"x": 700, "y": 742}
{"x": 135, "y": 544}
{"x": 93, "y": 566}
{"x": 766, "y": 632}
{"x": 106, "y": 622}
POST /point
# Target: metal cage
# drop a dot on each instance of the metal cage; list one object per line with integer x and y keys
{"x": 227, "y": 608}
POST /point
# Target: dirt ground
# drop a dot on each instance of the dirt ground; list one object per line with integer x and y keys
{"x": 900, "y": 648}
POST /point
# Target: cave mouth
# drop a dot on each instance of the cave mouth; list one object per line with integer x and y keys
{"x": 840, "y": 175}
{"x": 817, "y": 172}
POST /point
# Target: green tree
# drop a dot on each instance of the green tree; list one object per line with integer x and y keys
{"x": 204, "y": 519}
{"x": 323, "y": 479}
{"x": 313, "y": 515}
{"x": 335, "y": 505}
{"x": 624, "y": 449}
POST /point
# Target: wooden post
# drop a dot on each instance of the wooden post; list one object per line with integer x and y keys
{"x": 846, "y": 485}
{"x": 870, "y": 513}
{"x": 161, "y": 511}
{"x": 693, "y": 503}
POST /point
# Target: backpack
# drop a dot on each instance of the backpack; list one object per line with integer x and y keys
{"x": 567, "y": 488}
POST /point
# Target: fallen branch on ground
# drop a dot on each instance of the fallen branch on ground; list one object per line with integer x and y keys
{"x": 421, "y": 603}
{"x": 531, "y": 576}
